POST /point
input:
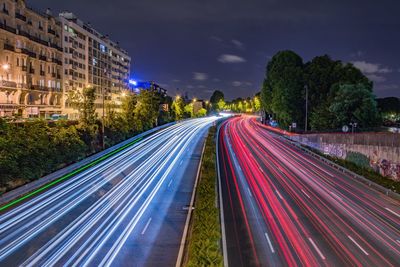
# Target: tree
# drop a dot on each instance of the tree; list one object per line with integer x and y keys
{"x": 322, "y": 76}
{"x": 128, "y": 111}
{"x": 178, "y": 108}
{"x": 354, "y": 103}
{"x": 216, "y": 97}
{"x": 257, "y": 102}
{"x": 146, "y": 110}
{"x": 283, "y": 88}
{"x": 201, "y": 113}
{"x": 220, "y": 105}
{"x": 188, "y": 110}
{"x": 389, "y": 108}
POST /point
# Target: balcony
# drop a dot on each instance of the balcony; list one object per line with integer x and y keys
{"x": 32, "y": 71}
{"x": 24, "y": 33}
{"x": 28, "y": 53}
{"x": 24, "y": 68}
{"x": 5, "y": 11}
{"x": 20, "y": 16}
{"x": 53, "y": 75}
{"x": 8, "y": 84}
{"x": 40, "y": 28}
{"x": 42, "y": 73}
{"x": 42, "y": 57}
{"x": 51, "y": 31}
{"x": 7, "y": 28}
{"x": 41, "y": 88}
{"x": 58, "y": 76}
{"x": 9, "y": 47}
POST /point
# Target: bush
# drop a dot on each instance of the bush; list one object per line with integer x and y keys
{"x": 358, "y": 159}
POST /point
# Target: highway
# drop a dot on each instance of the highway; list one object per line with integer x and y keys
{"x": 128, "y": 210}
{"x": 283, "y": 207}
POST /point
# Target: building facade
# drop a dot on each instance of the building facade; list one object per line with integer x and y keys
{"x": 30, "y": 61}
{"x": 92, "y": 59}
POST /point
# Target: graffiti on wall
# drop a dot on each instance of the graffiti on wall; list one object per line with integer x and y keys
{"x": 383, "y": 166}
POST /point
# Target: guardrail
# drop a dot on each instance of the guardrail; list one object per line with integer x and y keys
{"x": 31, "y": 187}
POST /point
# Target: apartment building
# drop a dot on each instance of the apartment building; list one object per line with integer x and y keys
{"x": 30, "y": 61}
{"x": 92, "y": 59}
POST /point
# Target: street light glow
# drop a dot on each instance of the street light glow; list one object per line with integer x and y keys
{"x": 133, "y": 82}
{"x": 6, "y": 66}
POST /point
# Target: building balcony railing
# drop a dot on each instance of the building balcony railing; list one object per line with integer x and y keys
{"x": 24, "y": 68}
{"x": 5, "y": 11}
{"x": 7, "y": 28}
{"x": 9, "y": 47}
{"x": 23, "y": 33}
{"x": 58, "y": 76}
{"x": 40, "y": 28}
{"x": 20, "y": 16}
{"x": 42, "y": 57}
{"x": 56, "y": 60}
{"x": 32, "y": 71}
{"x": 8, "y": 84}
{"x": 28, "y": 53}
{"x": 42, "y": 73}
{"x": 41, "y": 88}
{"x": 51, "y": 31}
{"x": 53, "y": 75}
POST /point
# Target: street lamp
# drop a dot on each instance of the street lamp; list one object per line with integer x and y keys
{"x": 353, "y": 126}
{"x": 5, "y": 66}
{"x": 194, "y": 100}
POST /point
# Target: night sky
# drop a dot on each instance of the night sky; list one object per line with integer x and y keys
{"x": 202, "y": 45}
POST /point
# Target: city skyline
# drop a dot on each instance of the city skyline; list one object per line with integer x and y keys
{"x": 202, "y": 47}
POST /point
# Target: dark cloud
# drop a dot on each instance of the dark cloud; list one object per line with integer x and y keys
{"x": 169, "y": 40}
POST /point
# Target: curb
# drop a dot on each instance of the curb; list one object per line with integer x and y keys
{"x": 221, "y": 206}
{"x": 179, "y": 261}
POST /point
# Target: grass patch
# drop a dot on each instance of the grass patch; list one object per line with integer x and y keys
{"x": 204, "y": 238}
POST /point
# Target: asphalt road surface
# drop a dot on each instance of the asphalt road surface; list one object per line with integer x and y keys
{"x": 284, "y": 208}
{"x": 128, "y": 210}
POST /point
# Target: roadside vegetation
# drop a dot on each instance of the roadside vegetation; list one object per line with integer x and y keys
{"x": 32, "y": 149}
{"x": 337, "y": 93}
{"x": 359, "y": 163}
{"x": 204, "y": 237}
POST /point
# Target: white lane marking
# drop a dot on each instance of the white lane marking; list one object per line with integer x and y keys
{"x": 316, "y": 248}
{"x": 391, "y": 211}
{"x": 279, "y": 195}
{"x": 269, "y": 243}
{"x": 305, "y": 193}
{"x": 180, "y": 163}
{"x": 249, "y": 192}
{"x": 145, "y": 227}
{"x": 336, "y": 196}
{"x": 358, "y": 245}
{"x": 170, "y": 182}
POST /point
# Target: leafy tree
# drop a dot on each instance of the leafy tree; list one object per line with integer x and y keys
{"x": 221, "y": 105}
{"x": 178, "y": 108}
{"x": 188, "y": 110}
{"x": 354, "y": 103}
{"x": 201, "y": 113}
{"x": 257, "y": 102}
{"x": 216, "y": 97}
{"x": 323, "y": 76}
{"x": 389, "y": 108}
{"x": 128, "y": 111}
{"x": 283, "y": 89}
{"x": 146, "y": 110}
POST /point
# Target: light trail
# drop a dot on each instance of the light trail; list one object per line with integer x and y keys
{"x": 314, "y": 214}
{"x": 87, "y": 219}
